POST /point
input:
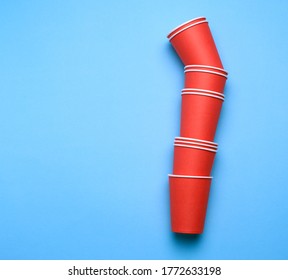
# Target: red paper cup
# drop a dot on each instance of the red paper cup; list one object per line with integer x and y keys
{"x": 179, "y": 138}
{"x": 191, "y": 143}
{"x": 194, "y": 43}
{"x": 193, "y": 159}
{"x": 199, "y": 115}
{"x": 205, "y": 78}
{"x": 188, "y": 203}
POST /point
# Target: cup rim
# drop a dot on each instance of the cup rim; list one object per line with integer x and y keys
{"x": 203, "y": 90}
{"x": 196, "y": 139}
{"x": 184, "y": 23}
{"x": 203, "y": 94}
{"x": 205, "y": 66}
{"x": 190, "y": 176}
{"x": 196, "y": 147}
{"x": 195, "y": 143}
{"x": 205, "y": 71}
{"x": 170, "y": 36}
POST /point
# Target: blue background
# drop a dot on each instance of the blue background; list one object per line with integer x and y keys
{"x": 90, "y": 106}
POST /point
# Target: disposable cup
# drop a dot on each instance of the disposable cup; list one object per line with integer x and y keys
{"x": 196, "y": 140}
{"x": 203, "y": 78}
{"x": 191, "y": 143}
{"x": 188, "y": 203}
{"x": 199, "y": 116}
{"x": 194, "y": 43}
{"x": 193, "y": 160}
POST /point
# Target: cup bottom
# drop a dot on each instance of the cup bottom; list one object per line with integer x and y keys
{"x": 188, "y": 204}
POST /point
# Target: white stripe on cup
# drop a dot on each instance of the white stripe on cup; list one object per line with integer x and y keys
{"x": 205, "y": 71}
{"x": 196, "y": 139}
{"x": 183, "y": 29}
{"x": 205, "y": 66}
{"x": 204, "y": 94}
{"x": 195, "y": 147}
{"x": 203, "y": 90}
{"x": 195, "y": 143}
{"x": 189, "y": 176}
{"x": 191, "y": 20}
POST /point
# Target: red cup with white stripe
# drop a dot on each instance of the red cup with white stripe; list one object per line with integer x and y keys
{"x": 194, "y": 43}
{"x": 200, "y": 112}
{"x": 188, "y": 203}
{"x": 191, "y": 158}
{"x": 205, "y": 77}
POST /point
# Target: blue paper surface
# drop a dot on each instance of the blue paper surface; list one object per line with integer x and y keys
{"x": 89, "y": 108}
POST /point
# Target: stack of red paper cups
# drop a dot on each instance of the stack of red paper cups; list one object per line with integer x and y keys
{"x": 194, "y": 150}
